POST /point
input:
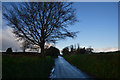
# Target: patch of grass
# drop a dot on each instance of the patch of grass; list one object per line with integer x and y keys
{"x": 22, "y": 67}
{"x": 99, "y": 65}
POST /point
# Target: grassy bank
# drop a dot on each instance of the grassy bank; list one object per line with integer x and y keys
{"x": 98, "y": 65}
{"x": 22, "y": 67}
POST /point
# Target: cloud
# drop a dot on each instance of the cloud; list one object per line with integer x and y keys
{"x": 107, "y": 49}
{"x": 8, "y": 40}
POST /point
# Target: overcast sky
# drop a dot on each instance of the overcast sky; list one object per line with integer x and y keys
{"x": 98, "y": 26}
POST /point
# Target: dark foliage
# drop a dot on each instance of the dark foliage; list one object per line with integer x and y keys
{"x": 9, "y": 50}
{"x": 65, "y": 51}
{"x": 78, "y": 50}
{"x": 82, "y": 50}
{"x": 52, "y": 51}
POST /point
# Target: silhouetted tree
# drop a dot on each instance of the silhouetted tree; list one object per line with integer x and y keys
{"x": 78, "y": 49}
{"x": 52, "y": 51}
{"x": 89, "y": 50}
{"x": 75, "y": 47}
{"x": 65, "y": 51}
{"x": 40, "y": 22}
{"x": 71, "y": 49}
{"x": 9, "y": 50}
{"x": 82, "y": 50}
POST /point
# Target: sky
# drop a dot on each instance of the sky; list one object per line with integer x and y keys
{"x": 97, "y": 26}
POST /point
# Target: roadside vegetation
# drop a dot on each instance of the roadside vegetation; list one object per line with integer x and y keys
{"x": 99, "y": 65}
{"x": 30, "y": 65}
{"x": 26, "y": 66}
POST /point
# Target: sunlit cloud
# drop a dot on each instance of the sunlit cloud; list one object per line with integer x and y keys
{"x": 8, "y": 40}
{"x": 105, "y": 49}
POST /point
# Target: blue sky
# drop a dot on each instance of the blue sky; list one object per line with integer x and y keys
{"x": 97, "y": 26}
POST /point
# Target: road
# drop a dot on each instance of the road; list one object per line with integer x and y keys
{"x": 63, "y": 69}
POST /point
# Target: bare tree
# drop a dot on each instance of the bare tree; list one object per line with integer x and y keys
{"x": 65, "y": 50}
{"x": 40, "y": 22}
{"x": 89, "y": 50}
{"x": 71, "y": 49}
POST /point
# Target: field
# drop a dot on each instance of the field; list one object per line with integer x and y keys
{"x": 97, "y": 65}
{"x": 26, "y": 67}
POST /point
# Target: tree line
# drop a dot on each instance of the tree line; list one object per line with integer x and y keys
{"x": 49, "y": 51}
{"x": 73, "y": 49}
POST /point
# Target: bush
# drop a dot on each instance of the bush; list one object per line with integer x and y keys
{"x": 9, "y": 50}
{"x": 52, "y": 51}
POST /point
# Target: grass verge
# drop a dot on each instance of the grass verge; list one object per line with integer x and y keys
{"x": 22, "y": 67}
{"x": 98, "y": 65}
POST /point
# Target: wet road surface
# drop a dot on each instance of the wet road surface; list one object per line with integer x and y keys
{"x": 63, "y": 69}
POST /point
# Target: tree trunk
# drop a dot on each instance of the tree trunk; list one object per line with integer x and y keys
{"x": 42, "y": 48}
{"x": 24, "y": 50}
